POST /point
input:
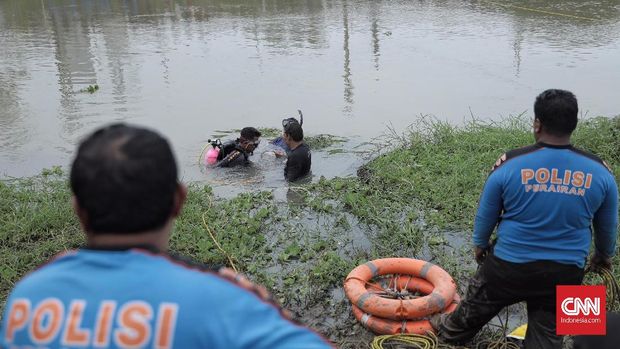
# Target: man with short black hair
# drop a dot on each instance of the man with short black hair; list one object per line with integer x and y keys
{"x": 299, "y": 158}
{"x": 237, "y": 152}
{"x": 544, "y": 200}
{"x": 124, "y": 290}
{"x": 279, "y": 141}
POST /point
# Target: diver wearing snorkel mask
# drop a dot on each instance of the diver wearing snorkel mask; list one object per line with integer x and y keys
{"x": 237, "y": 152}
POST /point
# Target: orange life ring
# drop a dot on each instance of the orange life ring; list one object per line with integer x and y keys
{"x": 441, "y": 296}
{"x": 386, "y": 326}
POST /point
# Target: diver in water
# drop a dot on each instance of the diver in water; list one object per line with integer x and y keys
{"x": 236, "y": 152}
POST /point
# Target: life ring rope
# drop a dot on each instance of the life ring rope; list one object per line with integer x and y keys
{"x": 397, "y": 307}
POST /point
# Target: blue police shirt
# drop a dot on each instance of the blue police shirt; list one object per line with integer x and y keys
{"x": 137, "y": 299}
{"x": 545, "y": 199}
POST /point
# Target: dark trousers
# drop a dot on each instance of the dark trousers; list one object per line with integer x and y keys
{"x": 609, "y": 341}
{"x": 499, "y": 283}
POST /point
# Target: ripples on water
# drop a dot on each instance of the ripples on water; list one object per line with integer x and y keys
{"x": 188, "y": 68}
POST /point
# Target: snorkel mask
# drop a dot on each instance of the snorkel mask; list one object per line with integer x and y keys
{"x": 249, "y": 143}
{"x": 287, "y": 122}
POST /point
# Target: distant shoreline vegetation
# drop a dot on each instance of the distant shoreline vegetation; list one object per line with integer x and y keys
{"x": 417, "y": 199}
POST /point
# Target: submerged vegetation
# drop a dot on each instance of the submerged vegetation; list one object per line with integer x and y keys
{"x": 416, "y": 200}
{"x": 323, "y": 141}
{"x": 316, "y": 142}
{"x": 90, "y": 89}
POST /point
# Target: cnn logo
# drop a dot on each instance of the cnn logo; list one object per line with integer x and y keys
{"x": 576, "y": 306}
{"x": 580, "y": 310}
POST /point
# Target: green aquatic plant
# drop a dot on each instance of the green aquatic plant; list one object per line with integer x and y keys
{"x": 270, "y": 132}
{"x": 90, "y": 89}
{"x": 323, "y": 141}
{"x": 416, "y": 200}
{"x": 266, "y": 132}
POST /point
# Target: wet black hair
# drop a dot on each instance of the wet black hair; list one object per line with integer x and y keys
{"x": 249, "y": 133}
{"x": 557, "y": 111}
{"x": 125, "y": 178}
{"x": 294, "y": 130}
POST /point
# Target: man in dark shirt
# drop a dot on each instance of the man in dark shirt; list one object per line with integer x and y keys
{"x": 299, "y": 156}
{"x": 238, "y": 151}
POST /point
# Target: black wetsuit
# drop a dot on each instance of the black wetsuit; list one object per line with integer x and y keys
{"x": 231, "y": 154}
{"x": 298, "y": 163}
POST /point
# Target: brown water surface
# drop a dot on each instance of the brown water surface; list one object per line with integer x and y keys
{"x": 190, "y": 68}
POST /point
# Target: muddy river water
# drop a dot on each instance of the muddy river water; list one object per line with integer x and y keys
{"x": 191, "y": 69}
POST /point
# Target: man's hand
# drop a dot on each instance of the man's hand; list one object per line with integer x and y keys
{"x": 598, "y": 262}
{"x": 480, "y": 254}
{"x": 279, "y": 153}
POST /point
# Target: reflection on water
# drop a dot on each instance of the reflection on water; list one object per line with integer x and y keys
{"x": 188, "y": 68}
{"x": 374, "y": 30}
{"x": 348, "y": 85}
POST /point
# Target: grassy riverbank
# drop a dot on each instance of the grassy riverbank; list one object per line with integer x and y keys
{"x": 417, "y": 200}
